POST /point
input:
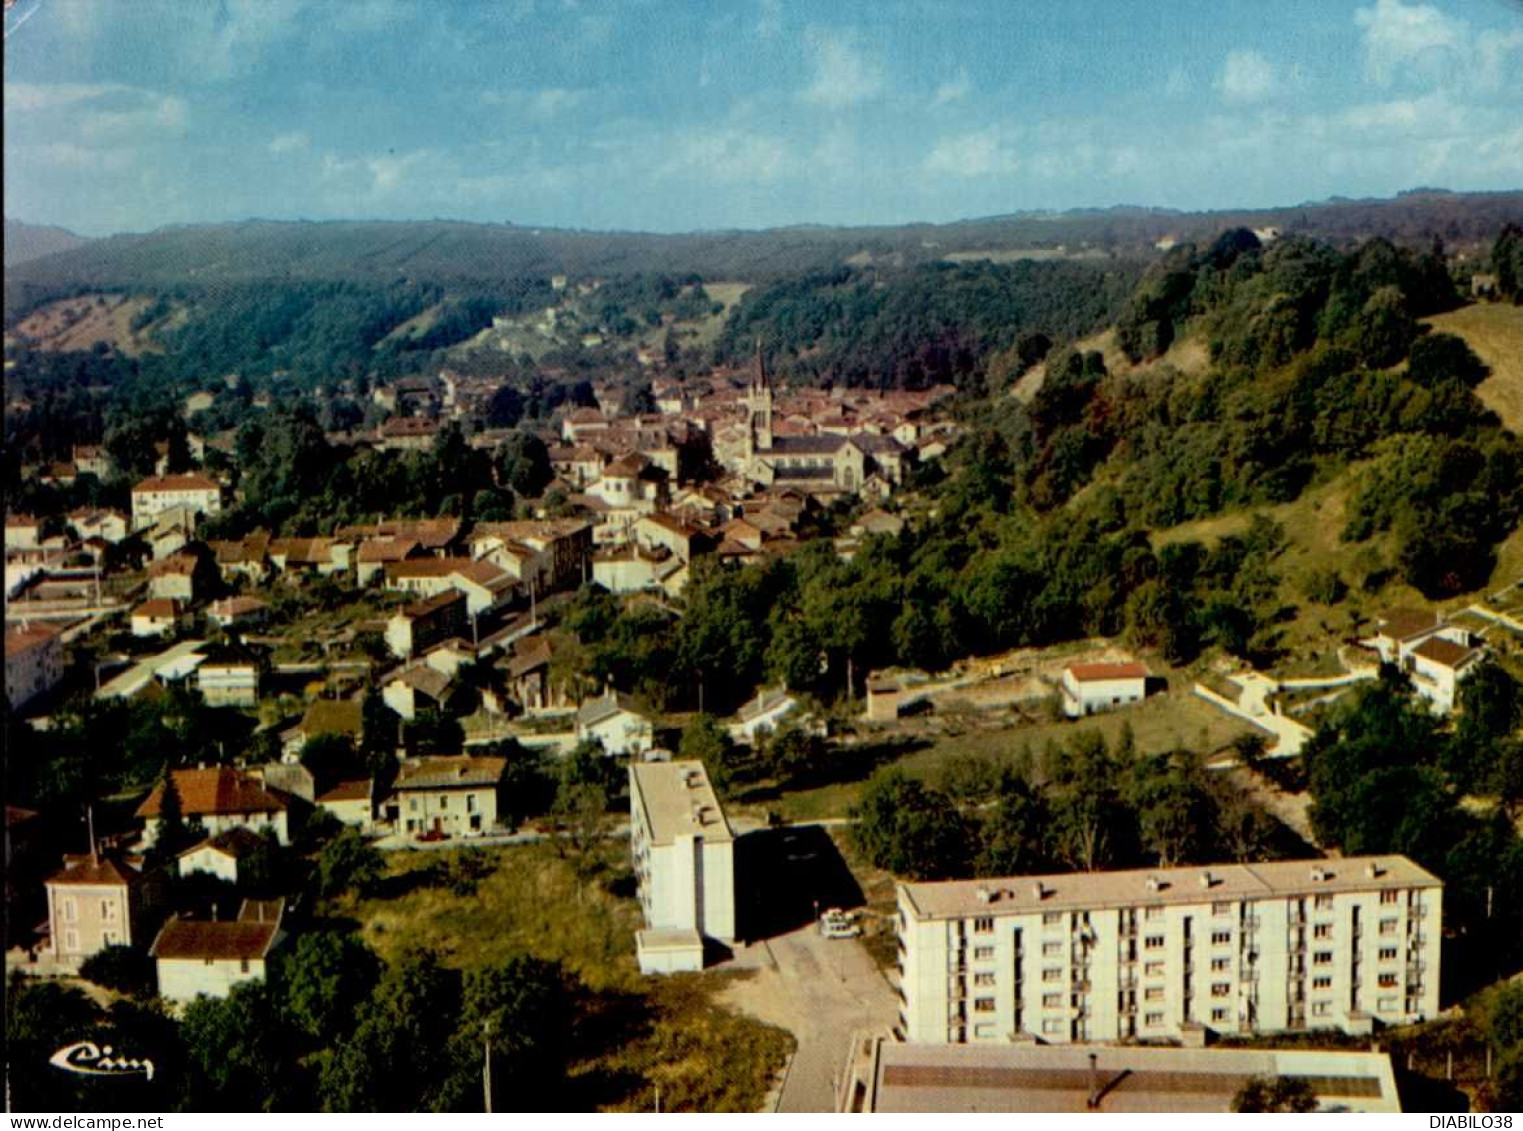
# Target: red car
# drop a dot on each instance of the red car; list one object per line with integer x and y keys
{"x": 432, "y": 836}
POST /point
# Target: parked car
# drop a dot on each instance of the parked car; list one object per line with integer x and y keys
{"x": 432, "y": 836}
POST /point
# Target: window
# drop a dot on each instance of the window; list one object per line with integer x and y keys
{"x": 1052, "y": 1027}
{"x": 71, "y": 941}
{"x": 470, "y": 803}
{"x": 444, "y": 801}
{"x": 1152, "y": 913}
{"x": 1155, "y": 1018}
{"x": 1322, "y": 931}
{"x": 1052, "y": 974}
{"x": 412, "y": 804}
{"x": 1052, "y": 950}
{"x": 1052, "y": 1001}
{"x": 68, "y": 909}
{"x": 983, "y": 1005}
{"x": 108, "y": 910}
{"x": 1322, "y": 958}
{"x": 1388, "y": 954}
{"x": 1153, "y": 993}
{"x": 1322, "y": 902}
{"x": 1321, "y": 1008}
{"x": 984, "y": 1031}
{"x": 1219, "y": 1015}
{"x": 1388, "y": 926}
{"x": 1388, "y": 981}
{"x": 1153, "y": 942}
{"x": 1321, "y": 982}
{"x": 983, "y": 925}
{"x": 110, "y": 938}
{"x": 983, "y": 953}
{"x": 1220, "y": 965}
{"x": 983, "y": 979}
{"x": 243, "y": 966}
{"x": 1386, "y": 1005}
{"x": 1221, "y": 938}
{"x": 1221, "y": 989}
{"x": 1153, "y": 969}
{"x": 1390, "y": 897}
{"x": 1221, "y": 909}
{"x": 1052, "y": 918}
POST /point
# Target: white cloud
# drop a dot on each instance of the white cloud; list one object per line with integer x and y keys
{"x": 724, "y": 155}
{"x": 100, "y": 115}
{"x": 291, "y": 142}
{"x": 1494, "y": 64}
{"x": 971, "y": 155}
{"x": 551, "y": 102}
{"x": 1401, "y": 40}
{"x": 844, "y": 74}
{"x": 26, "y": 96}
{"x": 955, "y": 88}
{"x": 1247, "y": 76}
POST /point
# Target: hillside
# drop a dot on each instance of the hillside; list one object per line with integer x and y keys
{"x": 24, "y": 242}
{"x": 1495, "y": 332}
{"x": 450, "y": 253}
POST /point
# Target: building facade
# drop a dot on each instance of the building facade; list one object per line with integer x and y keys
{"x": 33, "y": 662}
{"x": 1088, "y": 688}
{"x": 153, "y": 496}
{"x": 454, "y": 795}
{"x": 1171, "y": 953}
{"x": 94, "y": 902}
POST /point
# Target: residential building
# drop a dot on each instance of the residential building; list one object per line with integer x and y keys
{"x": 109, "y": 525}
{"x": 408, "y": 434}
{"x": 158, "y": 617}
{"x": 1436, "y": 666}
{"x": 219, "y": 855}
{"x": 417, "y": 687}
{"x": 196, "y": 958}
{"x": 343, "y": 717}
{"x": 352, "y": 802}
{"x": 92, "y": 459}
{"x": 612, "y": 720}
{"x": 529, "y": 680}
{"x": 322, "y": 557}
{"x": 34, "y": 662}
{"x": 1088, "y": 688}
{"x": 175, "y": 577}
{"x": 1171, "y": 954}
{"x": 223, "y": 798}
{"x": 892, "y": 1076}
{"x": 231, "y": 674}
{"x": 151, "y": 497}
{"x": 565, "y": 542}
{"x": 94, "y": 901}
{"x": 763, "y": 714}
{"x": 248, "y": 557}
{"x": 486, "y": 586}
{"x": 237, "y": 612}
{"x": 421, "y": 625}
{"x": 684, "y": 861}
{"x": 455, "y": 795}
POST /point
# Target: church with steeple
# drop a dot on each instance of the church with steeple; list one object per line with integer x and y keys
{"x": 821, "y": 464}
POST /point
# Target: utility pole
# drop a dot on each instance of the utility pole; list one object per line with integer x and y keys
{"x": 486, "y": 1067}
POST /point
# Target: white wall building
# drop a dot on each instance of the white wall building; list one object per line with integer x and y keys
{"x": 33, "y": 662}
{"x": 151, "y": 497}
{"x": 455, "y": 795}
{"x": 196, "y": 958}
{"x": 613, "y": 721}
{"x": 684, "y": 858}
{"x": 763, "y": 714}
{"x": 1088, "y": 688}
{"x": 1436, "y": 667}
{"x": 1171, "y": 953}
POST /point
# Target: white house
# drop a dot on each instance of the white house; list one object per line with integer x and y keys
{"x": 684, "y": 860}
{"x": 33, "y": 662}
{"x": 199, "y": 494}
{"x": 762, "y": 714}
{"x": 418, "y": 687}
{"x": 223, "y": 798}
{"x": 219, "y": 855}
{"x": 1088, "y": 688}
{"x": 230, "y": 674}
{"x": 157, "y": 617}
{"x": 197, "y": 958}
{"x": 455, "y": 795}
{"x": 352, "y": 802}
{"x": 110, "y": 525}
{"x": 613, "y": 721}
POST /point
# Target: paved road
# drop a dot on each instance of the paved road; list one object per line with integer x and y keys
{"x": 821, "y": 990}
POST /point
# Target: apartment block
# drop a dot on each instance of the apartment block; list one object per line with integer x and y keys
{"x": 684, "y": 858}
{"x": 1171, "y": 953}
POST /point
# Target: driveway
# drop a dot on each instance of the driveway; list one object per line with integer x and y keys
{"x": 822, "y": 991}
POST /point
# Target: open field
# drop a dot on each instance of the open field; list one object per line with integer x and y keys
{"x": 473, "y": 908}
{"x": 1495, "y": 332}
{"x": 76, "y": 324}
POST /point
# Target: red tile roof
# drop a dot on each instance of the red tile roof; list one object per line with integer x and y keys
{"x": 1445, "y": 652}
{"x": 184, "y": 938}
{"x": 96, "y": 871}
{"x": 158, "y": 608}
{"x": 175, "y": 483}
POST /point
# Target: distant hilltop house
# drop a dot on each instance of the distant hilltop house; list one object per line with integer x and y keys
{"x": 197, "y": 958}
{"x": 1433, "y": 655}
{"x": 153, "y": 496}
{"x": 1088, "y": 688}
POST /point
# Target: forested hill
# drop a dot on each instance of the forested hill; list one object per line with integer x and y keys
{"x": 449, "y": 254}
{"x": 25, "y": 242}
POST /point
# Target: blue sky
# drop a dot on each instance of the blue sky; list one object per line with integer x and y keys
{"x": 124, "y": 115}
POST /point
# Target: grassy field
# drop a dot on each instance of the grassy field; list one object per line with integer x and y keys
{"x": 1164, "y": 722}
{"x": 474, "y": 908}
{"x": 78, "y": 323}
{"x": 1495, "y": 332}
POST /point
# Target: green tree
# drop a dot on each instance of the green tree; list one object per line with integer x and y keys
{"x": 346, "y": 862}
{"x": 122, "y": 968}
{"x": 1275, "y": 1094}
{"x": 521, "y": 1005}
{"x": 706, "y": 740}
{"x": 522, "y": 463}
{"x": 237, "y": 1051}
{"x": 907, "y": 828}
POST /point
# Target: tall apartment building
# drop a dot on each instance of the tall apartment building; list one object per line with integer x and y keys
{"x": 684, "y": 857}
{"x": 1171, "y": 953}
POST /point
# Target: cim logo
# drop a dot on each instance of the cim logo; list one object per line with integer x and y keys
{"x": 89, "y": 1059}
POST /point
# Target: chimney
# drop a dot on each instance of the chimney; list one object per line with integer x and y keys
{"x": 984, "y": 894}
{"x": 1093, "y": 1101}
{"x": 1039, "y": 889}
{"x": 1153, "y": 883}
{"x": 1373, "y": 869}
{"x": 1206, "y": 879}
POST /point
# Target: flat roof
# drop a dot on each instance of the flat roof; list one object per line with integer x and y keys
{"x": 679, "y": 801}
{"x": 1018, "y": 895}
{"x": 1057, "y": 1078}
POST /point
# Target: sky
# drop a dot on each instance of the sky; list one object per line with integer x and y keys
{"x": 679, "y": 115}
